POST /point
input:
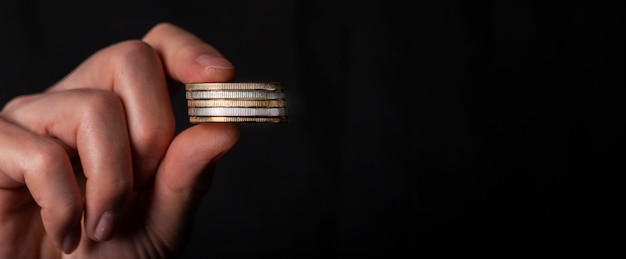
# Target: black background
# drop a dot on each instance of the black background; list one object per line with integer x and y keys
{"x": 423, "y": 128}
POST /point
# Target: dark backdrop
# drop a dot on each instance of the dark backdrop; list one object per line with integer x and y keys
{"x": 424, "y": 128}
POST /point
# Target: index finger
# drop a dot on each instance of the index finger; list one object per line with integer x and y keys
{"x": 186, "y": 57}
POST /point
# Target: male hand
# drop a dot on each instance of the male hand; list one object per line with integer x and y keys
{"x": 91, "y": 168}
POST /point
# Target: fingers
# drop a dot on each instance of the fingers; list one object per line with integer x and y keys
{"x": 93, "y": 123}
{"x": 182, "y": 180}
{"x": 124, "y": 123}
{"x": 133, "y": 71}
{"x": 43, "y": 167}
{"x": 187, "y": 58}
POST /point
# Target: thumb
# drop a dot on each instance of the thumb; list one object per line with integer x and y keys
{"x": 182, "y": 178}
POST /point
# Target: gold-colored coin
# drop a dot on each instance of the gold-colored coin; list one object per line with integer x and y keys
{"x": 268, "y": 103}
{"x": 203, "y": 119}
{"x": 267, "y": 86}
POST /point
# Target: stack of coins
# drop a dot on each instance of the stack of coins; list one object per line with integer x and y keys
{"x": 236, "y": 102}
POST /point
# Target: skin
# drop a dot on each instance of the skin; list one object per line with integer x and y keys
{"x": 91, "y": 168}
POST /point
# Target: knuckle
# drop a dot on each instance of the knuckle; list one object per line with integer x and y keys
{"x": 134, "y": 52}
{"x": 99, "y": 98}
{"x": 47, "y": 157}
{"x": 18, "y": 101}
{"x": 99, "y": 103}
{"x": 132, "y": 58}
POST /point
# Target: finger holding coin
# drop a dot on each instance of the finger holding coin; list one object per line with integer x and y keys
{"x": 136, "y": 71}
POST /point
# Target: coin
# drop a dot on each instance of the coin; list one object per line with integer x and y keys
{"x": 268, "y": 86}
{"x": 237, "y": 112}
{"x": 252, "y": 94}
{"x": 204, "y": 119}
{"x": 236, "y": 103}
{"x": 262, "y": 102}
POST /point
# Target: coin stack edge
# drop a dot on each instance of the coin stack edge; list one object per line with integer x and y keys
{"x": 256, "y": 102}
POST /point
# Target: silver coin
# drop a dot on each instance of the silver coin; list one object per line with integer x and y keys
{"x": 237, "y": 103}
{"x": 205, "y": 119}
{"x": 268, "y": 86}
{"x": 253, "y": 94}
{"x": 237, "y": 112}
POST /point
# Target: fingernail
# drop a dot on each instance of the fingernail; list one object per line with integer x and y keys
{"x": 71, "y": 240}
{"x": 106, "y": 226}
{"x": 213, "y": 61}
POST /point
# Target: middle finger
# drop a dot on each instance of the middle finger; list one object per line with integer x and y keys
{"x": 133, "y": 71}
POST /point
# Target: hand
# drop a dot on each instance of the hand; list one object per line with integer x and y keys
{"x": 91, "y": 167}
